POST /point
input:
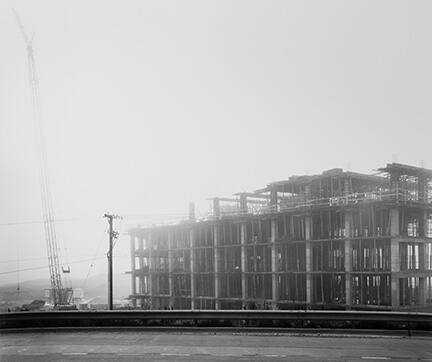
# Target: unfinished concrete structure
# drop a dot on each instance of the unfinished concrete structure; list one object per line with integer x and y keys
{"x": 334, "y": 240}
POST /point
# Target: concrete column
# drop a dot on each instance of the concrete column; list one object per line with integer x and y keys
{"x": 422, "y": 193}
{"x": 192, "y": 211}
{"x": 308, "y": 192}
{"x": 291, "y": 228}
{"x": 426, "y": 257}
{"x": 395, "y": 269}
{"x": 348, "y": 270}
{"x": 274, "y": 266}
{"x": 216, "y": 207}
{"x": 243, "y": 236}
{"x": 141, "y": 264}
{"x": 151, "y": 268}
{"x": 346, "y": 190}
{"x": 133, "y": 269}
{"x": 273, "y": 200}
{"x": 422, "y": 291}
{"x": 243, "y": 204}
{"x": 308, "y": 247}
{"x": 216, "y": 266}
{"x": 425, "y": 223}
{"x": 308, "y": 227}
{"x": 394, "y": 256}
{"x": 170, "y": 267}
{"x": 192, "y": 266}
{"x": 394, "y": 222}
{"x": 348, "y": 258}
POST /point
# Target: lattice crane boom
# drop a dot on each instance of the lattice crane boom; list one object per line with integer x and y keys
{"x": 60, "y": 295}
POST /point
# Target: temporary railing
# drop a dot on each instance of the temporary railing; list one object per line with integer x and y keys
{"x": 219, "y": 318}
{"x": 294, "y": 202}
{"x": 289, "y": 203}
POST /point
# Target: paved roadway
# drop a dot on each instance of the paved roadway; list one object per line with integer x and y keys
{"x": 204, "y": 346}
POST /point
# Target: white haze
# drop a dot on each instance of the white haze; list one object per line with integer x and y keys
{"x": 149, "y": 105}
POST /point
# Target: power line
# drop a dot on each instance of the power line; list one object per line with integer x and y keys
{"x": 45, "y": 266}
{"x": 134, "y": 217}
{"x": 32, "y": 259}
{"x": 76, "y": 219}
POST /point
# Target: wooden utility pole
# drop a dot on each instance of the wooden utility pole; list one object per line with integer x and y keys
{"x": 112, "y": 235}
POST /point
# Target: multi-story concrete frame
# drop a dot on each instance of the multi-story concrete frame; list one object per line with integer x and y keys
{"x": 334, "y": 240}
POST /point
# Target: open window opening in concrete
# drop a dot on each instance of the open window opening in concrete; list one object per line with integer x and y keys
{"x": 253, "y": 231}
{"x": 181, "y": 303}
{"x": 204, "y": 277}
{"x": 428, "y": 290}
{"x": 409, "y": 254}
{"x": 428, "y": 256}
{"x": 230, "y": 277}
{"x": 204, "y": 259}
{"x": 371, "y": 254}
{"x": 203, "y": 303}
{"x": 428, "y": 193}
{"x": 329, "y": 224}
{"x": 205, "y": 236}
{"x": 144, "y": 284}
{"x": 382, "y": 222}
{"x": 162, "y": 284}
{"x": 181, "y": 285}
{"x": 230, "y": 234}
{"x": 328, "y": 288}
{"x": 409, "y": 185}
{"x": 409, "y": 290}
{"x": 412, "y": 222}
{"x": 181, "y": 239}
{"x": 283, "y": 227}
{"x": 371, "y": 289}
{"x": 265, "y": 226}
{"x": 428, "y": 226}
{"x": 142, "y": 263}
{"x": 363, "y": 222}
{"x": 292, "y": 287}
{"x": 230, "y": 304}
{"x": 258, "y": 258}
{"x": 204, "y": 285}
{"x": 328, "y": 255}
{"x": 292, "y": 257}
{"x": 161, "y": 302}
{"x": 259, "y": 286}
{"x": 181, "y": 260}
{"x": 382, "y": 260}
{"x": 160, "y": 241}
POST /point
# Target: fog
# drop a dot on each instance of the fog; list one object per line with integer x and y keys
{"x": 148, "y": 105}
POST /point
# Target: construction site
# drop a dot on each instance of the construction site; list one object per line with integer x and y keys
{"x": 336, "y": 240}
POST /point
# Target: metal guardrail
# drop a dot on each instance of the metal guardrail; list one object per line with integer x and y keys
{"x": 328, "y": 319}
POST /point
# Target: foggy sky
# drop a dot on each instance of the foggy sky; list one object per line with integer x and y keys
{"x": 148, "y": 105}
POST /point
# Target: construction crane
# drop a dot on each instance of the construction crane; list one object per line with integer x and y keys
{"x": 58, "y": 294}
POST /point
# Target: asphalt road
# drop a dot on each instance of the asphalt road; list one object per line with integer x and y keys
{"x": 204, "y": 346}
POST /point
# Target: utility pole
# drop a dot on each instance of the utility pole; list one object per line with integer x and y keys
{"x": 112, "y": 235}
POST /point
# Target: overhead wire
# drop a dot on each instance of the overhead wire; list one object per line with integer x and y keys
{"x": 46, "y": 266}
{"x": 10, "y": 261}
{"x": 75, "y": 219}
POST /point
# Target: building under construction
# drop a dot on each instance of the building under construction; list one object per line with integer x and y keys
{"x": 335, "y": 240}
